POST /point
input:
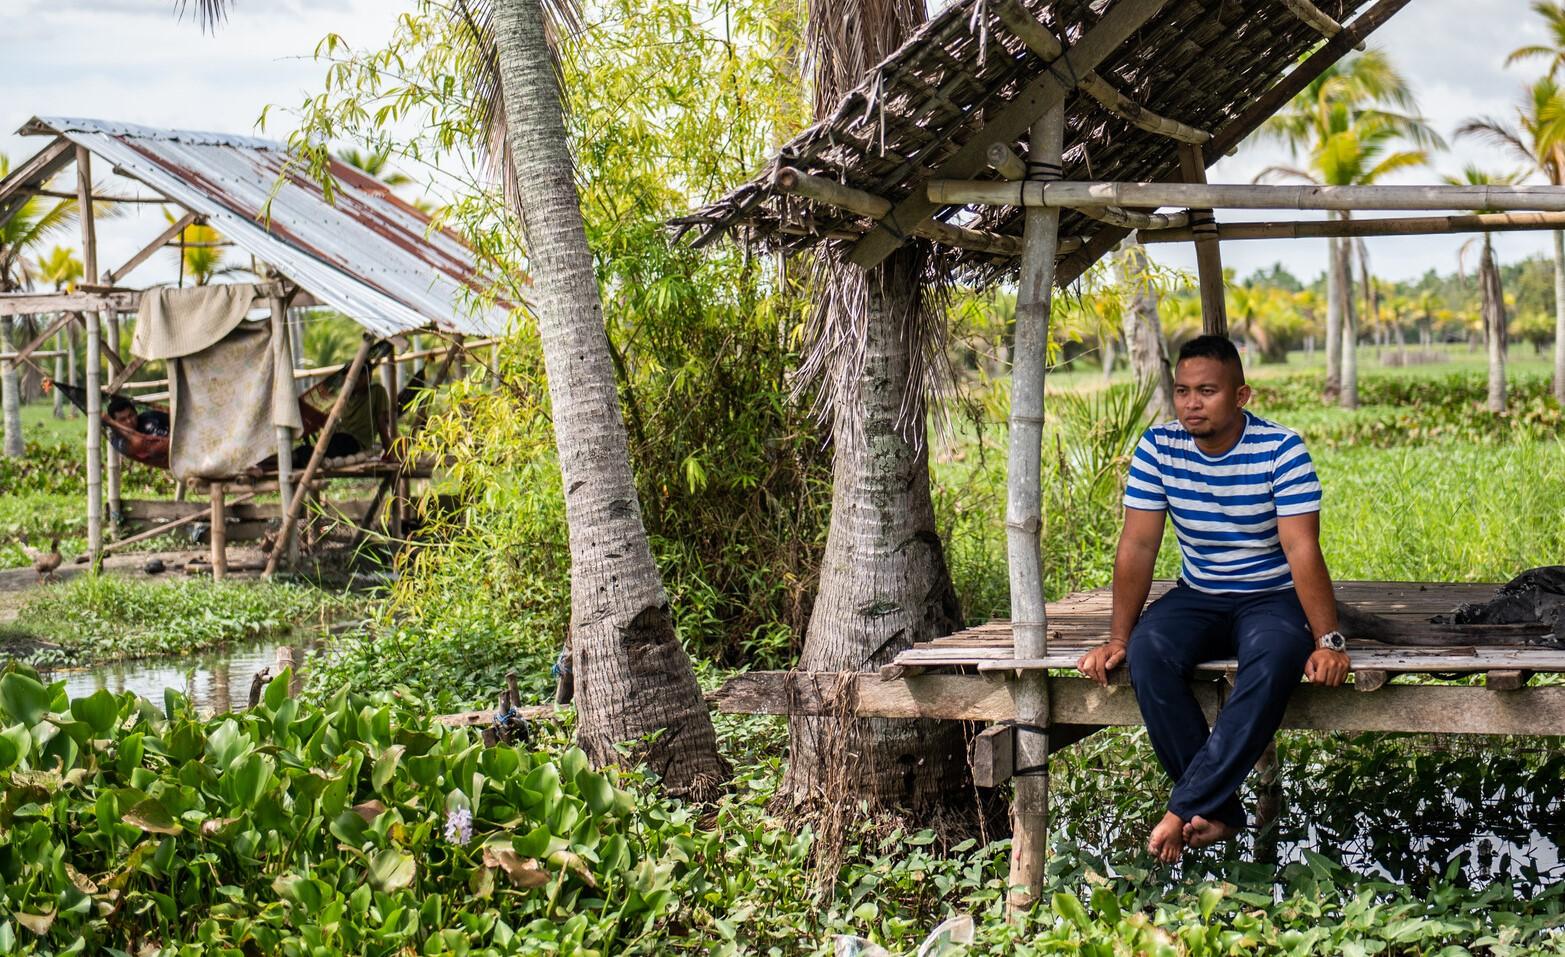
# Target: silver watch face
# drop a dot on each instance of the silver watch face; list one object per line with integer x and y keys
{"x": 1333, "y": 641}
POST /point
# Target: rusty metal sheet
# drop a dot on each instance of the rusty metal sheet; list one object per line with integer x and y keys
{"x": 368, "y": 254}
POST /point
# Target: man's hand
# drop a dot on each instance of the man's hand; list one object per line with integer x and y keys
{"x": 1097, "y": 663}
{"x": 1327, "y": 667}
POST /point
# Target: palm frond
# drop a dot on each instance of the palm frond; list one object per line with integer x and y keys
{"x": 210, "y": 14}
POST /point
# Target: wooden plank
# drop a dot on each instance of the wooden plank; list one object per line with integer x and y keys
{"x": 1508, "y": 679}
{"x": 1439, "y": 709}
{"x": 32, "y": 304}
{"x": 1008, "y": 123}
{"x": 994, "y": 756}
{"x": 35, "y": 171}
{"x": 142, "y": 510}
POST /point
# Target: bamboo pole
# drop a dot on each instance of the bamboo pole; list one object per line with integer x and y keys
{"x": 1317, "y": 18}
{"x": 1023, "y": 522}
{"x": 857, "y": 201}
{"x": 317, "y": 456}
{"x": 1135, "y": 219}
{"x": 146, "y": 251}
{"x": 1041, "y": 41}
{"x": 114, "y": 462}
{"x": 1389, "y": 226}
{"x": 1208, "y": 252}
{"x": 388, "y": 381}
{"x": 282, "y": 359}
{"x": 1003, "y": 160}
{"x": 219, "y": 535}
{"x": 93, "y": 372}
{"x": 1080, "y": 194}
{"x": 1008, "y": 122}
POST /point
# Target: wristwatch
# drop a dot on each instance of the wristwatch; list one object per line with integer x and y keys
{"x": 1332, "y": 641}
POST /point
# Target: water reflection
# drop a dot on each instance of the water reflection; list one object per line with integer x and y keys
{"x": 216, "y": 681}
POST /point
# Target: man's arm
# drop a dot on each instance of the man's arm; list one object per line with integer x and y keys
{"x": 1134, "y": 561}
{"x": 1300, "y": 537}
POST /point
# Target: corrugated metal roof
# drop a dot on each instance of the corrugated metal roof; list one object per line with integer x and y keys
{"x": 367, "y": 254}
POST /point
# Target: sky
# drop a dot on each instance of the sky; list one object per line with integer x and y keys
{"x": 135, "y": 61}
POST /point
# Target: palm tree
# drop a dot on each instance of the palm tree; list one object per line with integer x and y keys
{"x": 1537, "y": 138}
{"x": 1345, "y": 125}
{"x": 1490, "y": 292}
{"x": 1144, "y": 327}
{"x": 884, "y": 583}
{"x": 61, "y": 269}
{"x": 633, "y": 681}
{"x": 1553, "y": 15}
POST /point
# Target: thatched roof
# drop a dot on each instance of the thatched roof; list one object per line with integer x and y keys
{"x": 1213, "y": 65}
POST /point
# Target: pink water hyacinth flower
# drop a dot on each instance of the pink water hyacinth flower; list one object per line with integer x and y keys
{"x": 459, "y": 825}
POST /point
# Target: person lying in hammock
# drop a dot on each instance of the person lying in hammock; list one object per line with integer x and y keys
{"x": 141, "y": 436}
{"x": 365, "y": 419}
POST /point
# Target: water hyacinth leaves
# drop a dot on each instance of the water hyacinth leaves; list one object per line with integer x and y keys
{"x": 295, "y": 828}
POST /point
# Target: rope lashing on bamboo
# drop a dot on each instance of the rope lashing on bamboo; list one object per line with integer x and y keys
{"x": 1042, "y": 42}
{"x": 1133, "y": 219}
{"x": 1029, "y": 728}
{"x": 1317, "y": 18}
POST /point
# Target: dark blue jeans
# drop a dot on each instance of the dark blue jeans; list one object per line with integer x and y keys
{"x": 1269, "y": 635}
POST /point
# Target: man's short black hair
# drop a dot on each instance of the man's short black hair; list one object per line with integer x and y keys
{"x": 119, "y": 404}
{"x": 1216, "y": 347}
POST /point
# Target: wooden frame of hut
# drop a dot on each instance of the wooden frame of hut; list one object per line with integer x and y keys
{"x": 362, "y": 251}
{"x": 1118, "y": 108}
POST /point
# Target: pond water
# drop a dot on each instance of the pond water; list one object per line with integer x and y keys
{"x": 215, "y": 681}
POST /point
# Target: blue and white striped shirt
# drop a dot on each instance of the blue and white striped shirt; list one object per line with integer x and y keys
{"x": 1225, "y": 509}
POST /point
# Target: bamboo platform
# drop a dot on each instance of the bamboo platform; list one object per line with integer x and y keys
{"x": 973, "y": 675}
{"x": 1080, "y": 621}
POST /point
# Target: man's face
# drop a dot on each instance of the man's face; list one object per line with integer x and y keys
{"x": 125, "y": 417}
{"x": 1208, "y": 396}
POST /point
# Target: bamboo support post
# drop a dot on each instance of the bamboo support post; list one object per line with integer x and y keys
{"x": 317, "y": 456}
{"x": 857, "y": 201}
{"x": 1080, "y": 194}
{"x": 1035, "y": 98}
{"x": 394, "y": 509}
{"x": 93, "y": 372}
{"x": 60, "y": 322}
{"x": 131, "y": 368}
{"x": 1208, "y": 252}
{"x": 1388, "y": 226}
{"x": 1023, "y": 521}
{"x": 1317, "y": 19}
{"x": 282, "y": 359}
{"x": 219, "y": 534}
{"x": 114, "y": 462}
{"x": 1041, "y": 41}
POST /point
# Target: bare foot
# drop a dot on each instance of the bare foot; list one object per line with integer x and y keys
{"x": 1201, "y": 832}
{"x": 1168, "y": 840}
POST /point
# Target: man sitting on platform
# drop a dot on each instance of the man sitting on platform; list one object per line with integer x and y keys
{"x": 1245, "y": 505}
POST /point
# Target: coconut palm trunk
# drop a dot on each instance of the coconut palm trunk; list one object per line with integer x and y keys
{"x": 10, "y": 395}
{"x": 1144, "y": 330}
{"x": 1493, "y": 308}
{"x": 1334, "y": 284}
{"x": 884, "y": 583}
{"x": 632, "y": 677}
{"x": 1348, "y": 395}
{"x": 1559, "y": 316}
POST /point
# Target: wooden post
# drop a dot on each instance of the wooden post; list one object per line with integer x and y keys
{"x": 1023, "y": 520}
{"x": 390, "y": 380}
{"x": 1208, "y": 252}
{"x": 302, "y": 490}
{"x": 219, "y": 531}
{"x": 114, "y": 463}
{"x": 282, "y": 365}
{"x": 93, "y": 372}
